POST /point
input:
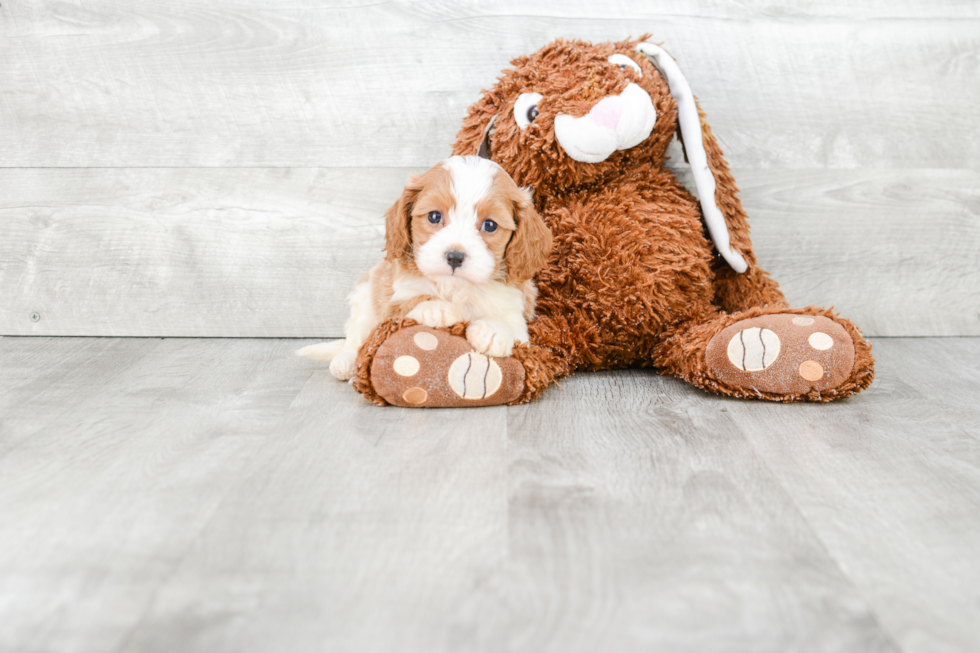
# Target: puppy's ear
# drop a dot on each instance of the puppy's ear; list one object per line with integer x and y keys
{"x": 398, "y": 221}
{"x": 528, "y": 249}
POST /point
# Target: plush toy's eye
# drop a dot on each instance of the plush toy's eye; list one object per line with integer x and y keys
{"x": 526, "y": 108}
{"x": 435, "y": 217}
{"x": 489, "y": 226}
{"x": 622, "y": 61}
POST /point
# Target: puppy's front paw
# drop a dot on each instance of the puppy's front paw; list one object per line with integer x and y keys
{"x": 491, "y": 337}
{"x": 342, "y": 366}
{"x": 435, "y": 313}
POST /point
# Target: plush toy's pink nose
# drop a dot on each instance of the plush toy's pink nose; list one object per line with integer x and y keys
{"x": 607, "y": 112}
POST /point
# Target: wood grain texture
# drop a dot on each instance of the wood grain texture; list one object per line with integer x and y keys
{"x": 852, "y": 130}
{"x": 947, "y": 371}
{"x": 180, "y": 252}
{"x": 638, "y": 523}
{"x": 353, "y": 529}
{"x": 446, "y": 531}
{"x": 99, "y": 505}
{"x": 893, "y": 250}
{"x": 274, "y": 252}
{"x": 891, "y": 486}
{"x": 225, "y": 495}
{"x": 43, "y": 380}
{"x": 249, "y": 83}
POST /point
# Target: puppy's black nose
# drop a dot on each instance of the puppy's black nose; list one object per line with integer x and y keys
{"x": 454, "y": 258}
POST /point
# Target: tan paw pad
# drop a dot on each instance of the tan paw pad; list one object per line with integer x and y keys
{"x": 753, "y": 349}
{"x": 415, "y": 396}
{"x": 474, "y": 376}
{"x": 811, "y": 370}
{"x": 820, "y": 340}
{"x": 406, "y": 365}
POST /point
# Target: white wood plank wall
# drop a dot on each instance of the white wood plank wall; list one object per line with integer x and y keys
{"x": 220, "y": 168}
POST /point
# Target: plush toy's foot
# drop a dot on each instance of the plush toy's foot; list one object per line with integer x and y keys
{"x": 783, "y": 354}
{"x": 422, "y": 367}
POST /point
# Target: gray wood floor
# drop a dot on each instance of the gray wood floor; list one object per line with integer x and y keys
{"x": 223, "y": 495}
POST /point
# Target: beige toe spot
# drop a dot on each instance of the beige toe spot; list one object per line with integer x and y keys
{"x": 425, "y": 340}
{"x": 820, "y": 340}
{"x": 811, "y": 371}
{"x": 474, "y": 376}
{"x": 415, "y": 396}
{"x": 753, "y": 349}
{"x": 406, "y": 365}
{"x": 802, "y": 320}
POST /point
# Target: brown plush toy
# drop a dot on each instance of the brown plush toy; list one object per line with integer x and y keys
{"x": 641, "y": 274}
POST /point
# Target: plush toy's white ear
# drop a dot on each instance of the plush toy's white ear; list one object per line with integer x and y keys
{"x": 690, "y": 122}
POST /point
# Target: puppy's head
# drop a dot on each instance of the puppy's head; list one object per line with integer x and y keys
{"x": 466, "y": 218}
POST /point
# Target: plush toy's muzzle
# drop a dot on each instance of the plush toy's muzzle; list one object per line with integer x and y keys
{"x": 617, "y": 122}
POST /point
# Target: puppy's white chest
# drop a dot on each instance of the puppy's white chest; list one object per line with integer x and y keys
{"x": 463, "y": 296}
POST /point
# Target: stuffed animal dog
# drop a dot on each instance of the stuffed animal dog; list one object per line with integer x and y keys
{"x": 462, "y": 243}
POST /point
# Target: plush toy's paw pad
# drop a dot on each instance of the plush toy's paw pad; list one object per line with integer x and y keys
{"x": 782, "y": 353}
{"x": 420, "y": 367}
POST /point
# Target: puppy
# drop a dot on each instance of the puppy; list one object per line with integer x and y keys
{"x": 462, "y": 245}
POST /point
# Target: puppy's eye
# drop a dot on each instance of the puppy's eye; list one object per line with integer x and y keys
{"x": 526, "y": 108}
{"x": 435, "y": 217}
{"x": 623, "y": 61}
{"x": 489, "y": 226}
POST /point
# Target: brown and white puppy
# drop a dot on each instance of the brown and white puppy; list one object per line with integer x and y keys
{"x": 462, "y": 245}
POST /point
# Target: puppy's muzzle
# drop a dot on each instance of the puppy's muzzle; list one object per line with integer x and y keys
{"x": 455, "y": 258}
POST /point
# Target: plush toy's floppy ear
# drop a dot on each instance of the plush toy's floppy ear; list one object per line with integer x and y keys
{"x": 528, "y": 249}
{"x": 398, "y": 235}
{"x": 484, "y": 151}
{"x": 689, "y": 117}
{"x": 475, "y": 135}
